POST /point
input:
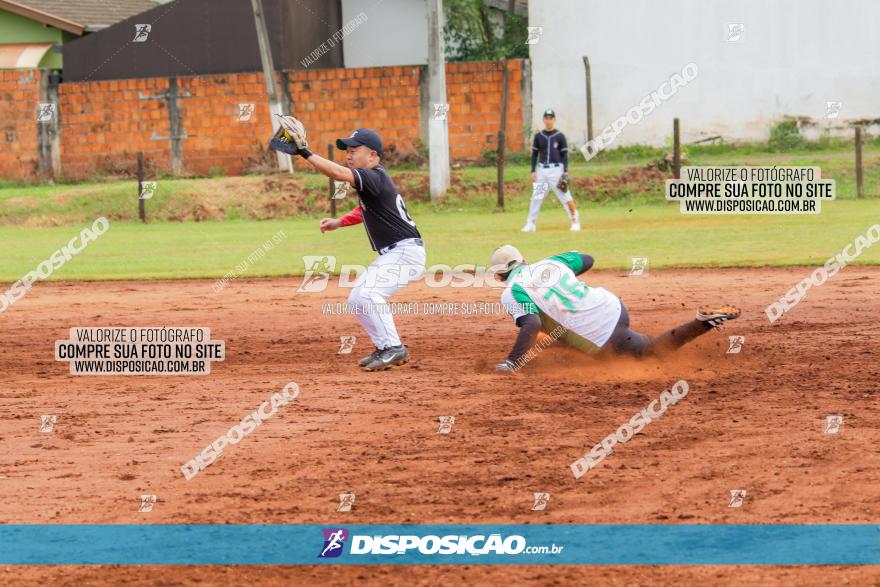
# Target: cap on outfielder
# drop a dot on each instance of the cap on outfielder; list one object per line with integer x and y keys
{"x": 549, "y": 112}
{"x": 505, "y": 258}
{"x": 362, "y": 136}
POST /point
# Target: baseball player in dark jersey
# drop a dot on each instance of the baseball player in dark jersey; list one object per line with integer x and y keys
{"x": 549, "y": 163}
{"x": 548, "y": 297}
{"x": 390, "y": 229}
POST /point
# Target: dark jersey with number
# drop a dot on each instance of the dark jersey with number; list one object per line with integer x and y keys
{"x": 385, "y": 215}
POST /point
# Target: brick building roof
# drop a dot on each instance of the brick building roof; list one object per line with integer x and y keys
{"x": 92, "y": 15}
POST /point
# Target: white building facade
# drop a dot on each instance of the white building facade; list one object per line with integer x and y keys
{"x": 759, "y": 61}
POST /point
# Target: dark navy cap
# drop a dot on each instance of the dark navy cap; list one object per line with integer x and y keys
{"x": 362, "y": 136}
{"x": 549, "y": 112}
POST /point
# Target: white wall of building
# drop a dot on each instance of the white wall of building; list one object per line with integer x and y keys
{"x": 395, "y": 33}
{"x": 794, "y": 57}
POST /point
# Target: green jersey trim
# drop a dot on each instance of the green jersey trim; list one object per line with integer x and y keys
{"x": 571, "y": 259}
{"x": 520, "y": 295}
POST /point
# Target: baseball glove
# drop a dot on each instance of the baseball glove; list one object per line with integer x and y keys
{"x": 291, "y": 136}
{"x": 564, "y": 182}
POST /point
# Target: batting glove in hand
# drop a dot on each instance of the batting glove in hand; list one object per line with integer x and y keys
{"x": 505, "y": 367}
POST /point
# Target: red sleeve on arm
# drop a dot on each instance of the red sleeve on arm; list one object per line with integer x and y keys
{"x": 356, "y": 216}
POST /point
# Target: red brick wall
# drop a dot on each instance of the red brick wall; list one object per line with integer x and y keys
{"x": 334, "y": 102}
{"x": 105, "y": 123}
{"x": 217, "y": 138}
{"x": 19, "y": 99}
{"x": 474, "y": 93}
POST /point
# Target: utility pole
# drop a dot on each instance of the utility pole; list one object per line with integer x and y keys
{"x": 502, "y": 134}
{"x": 284, "y": 160}
{"x": 438, "y": 127}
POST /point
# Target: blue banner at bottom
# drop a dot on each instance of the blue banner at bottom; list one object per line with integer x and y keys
{"x": 496, "y": 544}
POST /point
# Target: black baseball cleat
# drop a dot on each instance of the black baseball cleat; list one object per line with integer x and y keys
{"x": 370, "y": 358}
{"x": 390, "y": 357}
{"x": 716, "y": 315}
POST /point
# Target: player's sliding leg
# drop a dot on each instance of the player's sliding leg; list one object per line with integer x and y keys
{"x": 677, "y": 337}
{"x": 625, "y": 341}
{"x": 708, "y": 317}
{"x": 368, "y": 300}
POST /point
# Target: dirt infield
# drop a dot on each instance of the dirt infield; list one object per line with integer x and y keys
{"x": 753, "y": 420}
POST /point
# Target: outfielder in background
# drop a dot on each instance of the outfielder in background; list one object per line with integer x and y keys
{"x": 390, "y": 229}
{"x": 550, "y": 171}
{"x": 547, "y": 296}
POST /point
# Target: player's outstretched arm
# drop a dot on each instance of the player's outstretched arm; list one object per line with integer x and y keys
{"x": 356, "y": 216}
{"x": 576, "y": 261}
{"x": 331, "y": 169}
{"x": 291, "y": 139}
{"x": 534, "y": 158}
{"x": 587, "y": 262}
{"x": 529, "y": 327}
{"x": 328, "y": 224}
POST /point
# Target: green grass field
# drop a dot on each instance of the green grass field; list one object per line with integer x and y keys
{"x": 613, "y": 234}
{"x": 618, "y": 181}
{"x": 624, "y": 216}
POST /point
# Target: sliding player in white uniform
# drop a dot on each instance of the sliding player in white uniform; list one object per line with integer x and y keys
{"x": 547, "y": 296}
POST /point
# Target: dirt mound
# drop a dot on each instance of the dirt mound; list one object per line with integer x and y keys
{"x": 633, "y": 180}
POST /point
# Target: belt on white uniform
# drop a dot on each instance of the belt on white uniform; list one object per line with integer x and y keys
{"x": 407, "y": 241}
{"x": 550, "y": 164}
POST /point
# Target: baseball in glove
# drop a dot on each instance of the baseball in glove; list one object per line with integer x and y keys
{"x": 291, "y": 137}
{"x": 564, "y": 182}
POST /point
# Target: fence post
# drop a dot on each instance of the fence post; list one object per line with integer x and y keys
{"x": 330, "y": 183}
{"x": 676, "y": 149}
{"x": 860, "y": 188}
{"x": 49, "y": 130}
{"x": 589, "y": 98}
{"x": 174, "y": 125}
{"x": 142, "y": 212}
{"x": 501, "y": 135}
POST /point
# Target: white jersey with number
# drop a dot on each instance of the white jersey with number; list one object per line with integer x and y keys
{"x": 551, "y": 289}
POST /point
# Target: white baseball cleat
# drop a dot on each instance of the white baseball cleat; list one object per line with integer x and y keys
{"x": 529, "y": 227}
{"x": 575, "y": 226}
